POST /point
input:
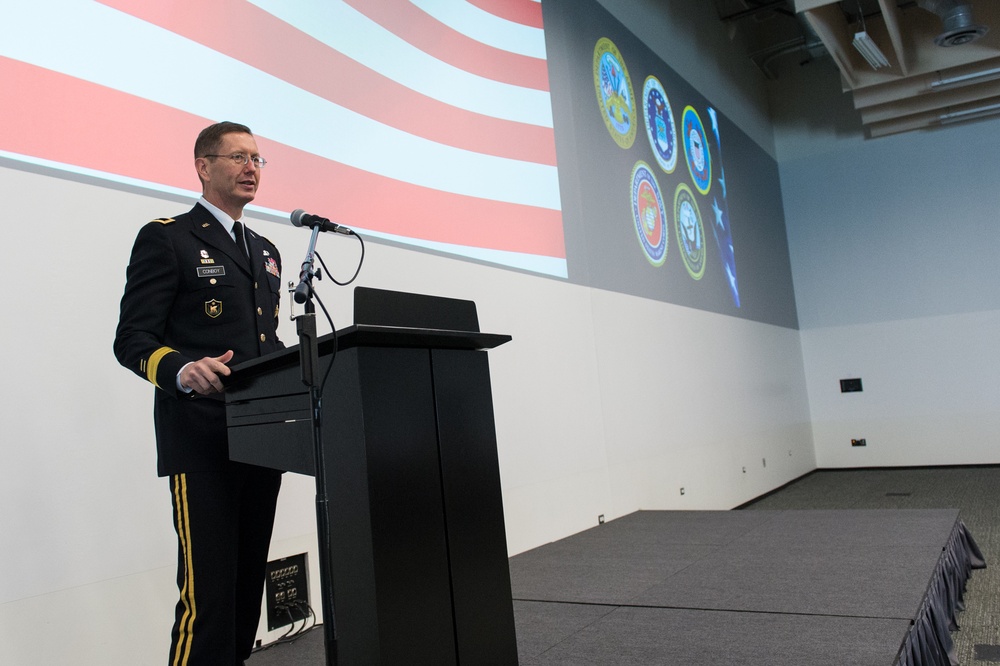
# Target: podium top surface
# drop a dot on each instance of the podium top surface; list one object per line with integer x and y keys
{"x": 370, "y": 335}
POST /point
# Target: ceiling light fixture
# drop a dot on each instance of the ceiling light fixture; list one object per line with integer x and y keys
{"x": 870, "y": 50}
{"x": 867, "y": 47}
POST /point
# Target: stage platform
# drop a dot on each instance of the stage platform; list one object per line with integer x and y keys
{"x": 736, "y": 588}
{"x": 743, "y": 588}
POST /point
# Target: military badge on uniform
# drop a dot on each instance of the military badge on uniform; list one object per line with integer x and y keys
{"x": 271, "y": 266}
{"x": 205, "y": 259}
{"x": 213, "y": 308}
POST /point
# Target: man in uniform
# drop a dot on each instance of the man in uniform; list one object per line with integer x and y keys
{"x": 201, "y": 294}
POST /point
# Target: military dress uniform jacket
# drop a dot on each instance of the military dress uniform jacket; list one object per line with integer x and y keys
{"x": 191, "y": 293}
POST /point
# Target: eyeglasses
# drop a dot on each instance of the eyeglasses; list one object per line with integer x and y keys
{"x": 240, "y": 159}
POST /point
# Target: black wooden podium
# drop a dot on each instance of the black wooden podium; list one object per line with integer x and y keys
{"x": 418, "y": 558}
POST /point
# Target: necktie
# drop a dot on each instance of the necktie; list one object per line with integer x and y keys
{"x": 241, "y": 241}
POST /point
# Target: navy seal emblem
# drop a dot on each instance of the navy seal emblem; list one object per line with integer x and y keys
{"x": 690, "y": 231}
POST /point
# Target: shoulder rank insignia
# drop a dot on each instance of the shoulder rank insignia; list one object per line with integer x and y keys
{"x": 164, "y": 220}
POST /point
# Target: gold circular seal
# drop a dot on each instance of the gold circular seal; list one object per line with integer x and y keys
{"x": 614, "y": 93}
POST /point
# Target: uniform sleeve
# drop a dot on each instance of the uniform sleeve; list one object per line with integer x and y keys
{"x": 150, "y": 288}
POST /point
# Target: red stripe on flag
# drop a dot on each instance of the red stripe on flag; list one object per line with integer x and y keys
{"x": 525, "y": 12}
{"x": 70, "y": 121}
{"x": 364, "y": 200}
{"x": 275, "y": 47}
{"x": 412, "y": 24}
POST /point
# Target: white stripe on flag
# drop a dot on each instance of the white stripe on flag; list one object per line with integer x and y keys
{"x": 343, "y": 29}
{"x": 484, "y": 27}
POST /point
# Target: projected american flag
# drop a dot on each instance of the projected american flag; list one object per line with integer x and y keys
{"x": 422, "y": 121}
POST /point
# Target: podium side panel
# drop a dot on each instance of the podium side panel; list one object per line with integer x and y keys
{"x": 351, "y": 556}
{"x": 407, "y": 510}
{"x": 484, "y": 614}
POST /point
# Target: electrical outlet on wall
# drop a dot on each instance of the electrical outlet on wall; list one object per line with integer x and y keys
{"x": 286, "y": 591}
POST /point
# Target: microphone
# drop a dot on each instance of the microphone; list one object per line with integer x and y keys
{"x": 300, "y": 218}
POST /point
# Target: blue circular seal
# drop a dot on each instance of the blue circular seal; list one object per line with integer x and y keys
{"x": 614, "y": 93}
{"x": 690, "y": 231}
{"x": 699, "y": 159}
{"x": 660, "y": 128}
{"x": 649, "y": 214}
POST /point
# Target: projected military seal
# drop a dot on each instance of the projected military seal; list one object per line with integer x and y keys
{"x": 614, "y": 92}
{"x": 649, "y": 214}
{"x": 696, "y": 150}
{"x": 690, "y": 231}
{"x": 660, "y": 128}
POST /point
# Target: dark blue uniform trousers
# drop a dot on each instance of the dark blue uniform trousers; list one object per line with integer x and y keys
{"x": 223, "y": 521}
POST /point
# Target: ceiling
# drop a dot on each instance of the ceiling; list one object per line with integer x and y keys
{"x": 920, "y": 84}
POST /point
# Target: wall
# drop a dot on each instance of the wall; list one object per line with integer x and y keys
{"x": 605, "y": 404}
{"x": 893, "y": 244}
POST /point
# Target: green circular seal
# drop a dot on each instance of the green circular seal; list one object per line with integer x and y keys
{"x": 690, "y": 231}
{"x": 614, "y": 93}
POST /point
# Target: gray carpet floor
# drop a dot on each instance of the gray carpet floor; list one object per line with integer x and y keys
{"x": 741, "y": 588}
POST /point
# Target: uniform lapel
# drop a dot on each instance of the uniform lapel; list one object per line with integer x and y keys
{"x": 211, "y": 232}
{"x": 255, "y": 247}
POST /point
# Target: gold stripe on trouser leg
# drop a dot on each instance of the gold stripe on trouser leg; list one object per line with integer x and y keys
{"x": 185, "y": 629}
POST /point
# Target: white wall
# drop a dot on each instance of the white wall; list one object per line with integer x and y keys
{"x": 894, "y": 244}
{"x": 605, "y": 404}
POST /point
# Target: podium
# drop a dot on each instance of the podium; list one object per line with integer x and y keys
{"x": 418, "y": 553}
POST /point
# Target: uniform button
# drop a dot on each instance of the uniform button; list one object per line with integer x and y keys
{"x": 259, "y": 311}
{"x": 254, "y": 285}
{"x": 263, "y": 337}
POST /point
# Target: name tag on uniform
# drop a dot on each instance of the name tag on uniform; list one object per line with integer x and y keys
{"x": 210, "y": 271}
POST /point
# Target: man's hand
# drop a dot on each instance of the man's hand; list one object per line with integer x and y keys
{"x": 203, "y": 376}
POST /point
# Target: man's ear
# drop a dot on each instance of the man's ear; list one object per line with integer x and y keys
{"x": 201, "y": 166}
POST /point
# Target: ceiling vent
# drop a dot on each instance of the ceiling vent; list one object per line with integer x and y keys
{"x": 959, "y": 26}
